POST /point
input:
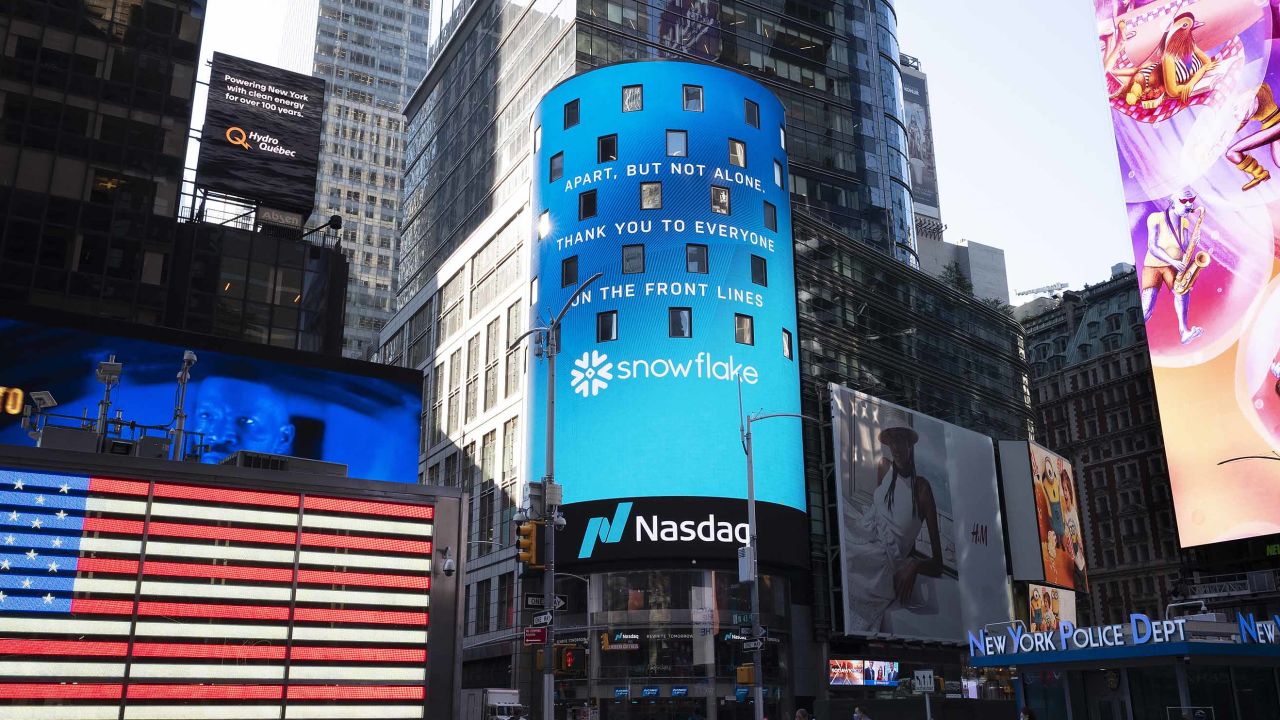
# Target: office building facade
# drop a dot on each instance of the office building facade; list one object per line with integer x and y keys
{"x": 865, "y": 317}
{"x": 371, "y": 54}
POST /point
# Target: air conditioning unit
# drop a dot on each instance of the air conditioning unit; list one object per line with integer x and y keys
{"x": 284, "y": 463}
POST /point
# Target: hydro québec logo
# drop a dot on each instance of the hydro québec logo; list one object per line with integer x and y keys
{"x": 594, "y": 371}
{"x": 653, "y": 528}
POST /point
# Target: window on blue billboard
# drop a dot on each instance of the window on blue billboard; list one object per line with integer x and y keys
{"x": 587, "y": 205}
{"x": 786, "y": 344}
{"x": 720, "y": 200}
{"x": 607, "y": 148}
{"x": 557, "y": 167}
{"x": 751, "y": 113}
{"x": 695, "y": 258}
{"x": 632, "y": 98}
{"x": 632, "y": 259}
{"x": 693, "y": 98}
{"x": 607, "y": 326}
{"x": 651, "y": 196}
{"x": 570, "y": 114}
{"x": 759, "y": 271}
{"x": 737, "y": 153}
{"x": 569, "y": 271}
{"x": 680, "y": 322}
{"x": 744, "y": 329}
{"x": 677, "y": 143}
{"x": 770, "y": 216}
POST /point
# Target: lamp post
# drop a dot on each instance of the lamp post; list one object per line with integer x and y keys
{"x": 757, "y": 674}
{"x": 550, "y": 337}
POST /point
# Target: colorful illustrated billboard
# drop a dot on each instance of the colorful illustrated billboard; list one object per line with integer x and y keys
{"x": 1045, "y": 538}
{"x": 261, "y": 135}
{"x": 1191, "y": 88}
{"x": 240, "y": 396}
{"x": 1049, "y": 607}
{"x": 668, "y": 178}
{"x": 922, "y": 551}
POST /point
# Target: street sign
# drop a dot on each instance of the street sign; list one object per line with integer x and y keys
{"x": 534, "y": 601}
{"x": 535, "y": 636}
{"x": 745, "y": 631}
{"x": 742, "y": 618}
{"x": 764, "y": 633}
{"x": 924, "y": 681}
{"x": 752, "y": 645}
{"x": 542, "y": 618}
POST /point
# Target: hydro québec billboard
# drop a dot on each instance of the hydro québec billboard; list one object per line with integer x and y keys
{"x": 1191, "y": 86}
{"x": 240, "y": 397}
{"x": 669, "y": 179}
{"x": 261, "y": 135}
{"x": 921, "y": 541}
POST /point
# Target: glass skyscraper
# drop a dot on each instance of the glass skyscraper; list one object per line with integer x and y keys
{"x": 372, "y": 54}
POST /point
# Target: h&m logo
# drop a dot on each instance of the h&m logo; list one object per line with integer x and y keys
{"x": 604, "y": 530}
{"x": 978, "y": 535}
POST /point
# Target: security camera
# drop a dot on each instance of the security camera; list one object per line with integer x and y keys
{"x": 188, "y": 358}
{"x": 520, "y": 516}
{"x": 560, "y": 522}
{"x": 43, "y": 399}
{"x": 449, "y": 567}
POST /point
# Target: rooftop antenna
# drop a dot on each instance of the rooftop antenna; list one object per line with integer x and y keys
{"x": 179, "y": 410}
{"x": 108, "y": 373}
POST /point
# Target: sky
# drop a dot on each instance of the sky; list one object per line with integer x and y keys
{"x": 1022, "y": 134}
{"x": 1022, "y": 130}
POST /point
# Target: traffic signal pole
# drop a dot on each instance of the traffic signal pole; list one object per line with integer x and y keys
{"x": 548, "y": 515}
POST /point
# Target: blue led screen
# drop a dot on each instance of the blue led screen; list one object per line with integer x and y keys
{"x": 669, "y": 178}
{"x": 302, "y": 404}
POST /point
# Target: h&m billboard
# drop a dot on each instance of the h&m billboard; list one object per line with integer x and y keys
{"x": 1191, "y": 88}
{"x": 921, "y": 541}
{"x": 261, "y": 136}
{"x": 669, "y": 178}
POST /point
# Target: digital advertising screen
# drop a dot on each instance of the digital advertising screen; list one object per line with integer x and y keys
{"x": 240, "y": 589}
{"x": 924, "y": 165}
{"x": 261, "y": 135}
{"x": 1045, "y": 538}
{"x": 1049, "y": 607}
{"x": 667, "y": 178}
{"x": 921, "y": 545}
{"x": 239, "y": 397}
{"x": 1195, "y": 138}
{"x": 845, "y": 672}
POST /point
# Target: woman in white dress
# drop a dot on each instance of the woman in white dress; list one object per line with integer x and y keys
{"x": 879, "y": 563}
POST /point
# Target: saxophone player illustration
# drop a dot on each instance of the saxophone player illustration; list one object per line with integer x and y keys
{"x": 1172, "y": 259}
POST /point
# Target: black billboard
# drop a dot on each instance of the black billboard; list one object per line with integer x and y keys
{"x": 261, "y": 137}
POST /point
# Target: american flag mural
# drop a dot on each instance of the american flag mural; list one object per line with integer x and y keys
{"x": 153, "y": 600}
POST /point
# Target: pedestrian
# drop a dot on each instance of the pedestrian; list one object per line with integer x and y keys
{"x": 859, "y": 715}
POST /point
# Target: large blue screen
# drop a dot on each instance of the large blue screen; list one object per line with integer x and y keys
{"x": 669, "y": 178}
{"x": 368, "y": 422}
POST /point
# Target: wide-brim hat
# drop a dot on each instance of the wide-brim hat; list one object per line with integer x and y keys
{"x": 895, "y": 435}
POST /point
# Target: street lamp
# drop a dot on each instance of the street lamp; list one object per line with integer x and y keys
{"x": 550, "y": 339}
{"x": 757, "y": 674}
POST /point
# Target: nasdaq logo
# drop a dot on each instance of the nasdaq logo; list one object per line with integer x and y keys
{"x": 604, "y": 530}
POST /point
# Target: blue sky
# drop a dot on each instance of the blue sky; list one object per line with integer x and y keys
{"x": 1026, "y": 157}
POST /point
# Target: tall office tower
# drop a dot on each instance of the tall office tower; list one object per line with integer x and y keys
{"x": 371, "y": 53}
{"x": 95, "y": 102}
{"x": 1093, "y": 393}
{"x": 865, "y": 317}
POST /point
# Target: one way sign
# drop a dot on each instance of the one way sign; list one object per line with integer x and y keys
{"x": 534, "y": 601}
{"x": 752, "y": 645}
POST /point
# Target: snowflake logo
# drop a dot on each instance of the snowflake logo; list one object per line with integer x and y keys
{"x": 591, "y": 373}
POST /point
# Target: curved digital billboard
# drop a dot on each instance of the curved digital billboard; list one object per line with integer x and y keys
{"x": 669, "y": 179}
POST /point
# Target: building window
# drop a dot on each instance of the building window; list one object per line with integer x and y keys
{"x": 680, "y": 322}
{"x": 569, "y": 271}
{"x": 719, "y": 200}
{"x": 782, "y": 137}
{"x": 737, "y": 153}
{"x": 786, "y": 344}
{"x": 751, "y": 113}
{"x": 544, "y": 224}
{"x": 759, "y": 271}
{"x": 632, "y": 259}
{"x": 695, "y": 258}
{"x": 607, "y": 148}
{"x": 677, "y": 143}
{"x": 770, "y": 215}
{"x": 570, "y": 114}
{"x": 777, "y": 173}
{"x": 557, "y": 166}
{"x": 587, "y": 205}
{"x": 632, "y": 98}
{"x": 607, "y": 326}
{"x": 744, "y": 329}
{"x": 537, "y": 138}
{"x": 650, "y": 196}
{"x": 693, "y": 98}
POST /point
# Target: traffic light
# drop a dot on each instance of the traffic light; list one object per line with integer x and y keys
{"x": 530, "y": 533}
{"x": 746, "y": 674}
{"x": 571, "y": 660}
